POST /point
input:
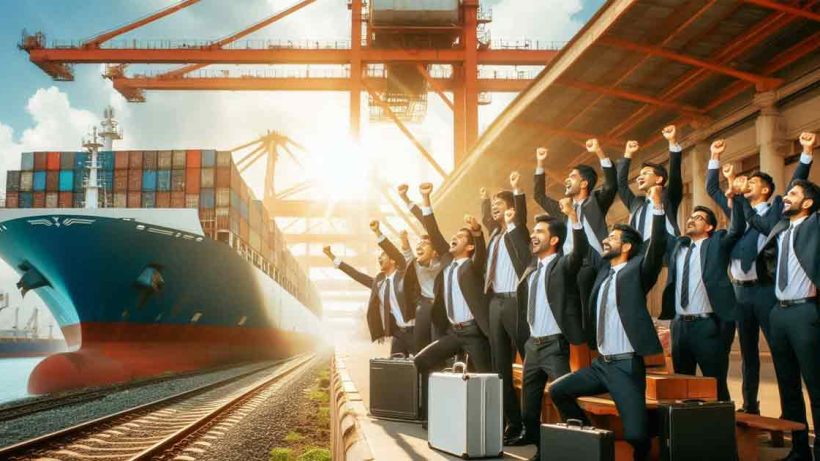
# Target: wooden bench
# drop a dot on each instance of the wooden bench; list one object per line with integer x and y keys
{"x": 749, "y": 428}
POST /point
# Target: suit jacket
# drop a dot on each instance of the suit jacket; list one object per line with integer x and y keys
{"x": 746, "y": 249}
{"x": 715, "y": 252}
{"x": 374, "y": 315}
{"x": 519, "y": 254}
{"x": 410, "y": 283}
{"x": 806, "y": 239}
{"x": 594, "y": 208}
{"x": 562, "y": 288}
{"x": 672, "y": 193}
{"x": 633, "y": 283}
{"x": 470, "y": 277}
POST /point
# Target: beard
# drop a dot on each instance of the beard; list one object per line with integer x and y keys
{"x": 611, "y": 254}
{"x": 791, "y": 211}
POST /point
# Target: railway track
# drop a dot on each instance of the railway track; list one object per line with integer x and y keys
{"x": 152, "y": 430}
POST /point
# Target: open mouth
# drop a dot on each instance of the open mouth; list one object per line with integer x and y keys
{"x": 641, "y": 182}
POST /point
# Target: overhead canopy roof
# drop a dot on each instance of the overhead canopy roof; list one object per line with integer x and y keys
{"x": 635, "y": 67}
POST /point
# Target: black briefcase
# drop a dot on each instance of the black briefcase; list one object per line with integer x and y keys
{"x": 395, "y": 387}
{"x": 572, "y": 441}
{"x": 697, "y": 430}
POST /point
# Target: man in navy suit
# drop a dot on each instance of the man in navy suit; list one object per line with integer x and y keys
{"x": 755, "y": 299}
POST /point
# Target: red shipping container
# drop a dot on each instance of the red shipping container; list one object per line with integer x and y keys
{"x": 120, "y": 200}
{"x": 12, "y": 199}
{"x": 65, "y": 200}
{"x": 120, "y": 180}
{"x": 193, "y": 158}
{"x": 192, "y": 177}
{"x": 177, "y": 199}
{"x": 134, "y": 180}
{"x": 223, "y": 177}
{"x": 52, "y": 199}
{"x": 39, "y": 200}
{"x": 134, "y": 200}
{"x": 135, "y": 160}
{"x": 222, "y": 218}
{"x": 149, "y": 160}
{"x": 53, "y": 181}
{"x": 53, "y": 161}
{"x": 40, "y": 161}
{"x": 121, "y": 160}
{"x": 163, "y": 199}
{"x": 164, "y": 159}
{"x": 244, "y": 230}
{"x": 191, "y": 200}
{"x": 236, "y": 178}
{"x": 178, "y": 180}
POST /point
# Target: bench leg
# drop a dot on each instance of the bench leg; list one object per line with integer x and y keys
{"x": 747, "y": 443}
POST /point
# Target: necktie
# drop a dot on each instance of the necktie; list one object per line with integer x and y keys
{"x": 450, "y": 311}
{"x": 531, "y": 300}
{"x": 493, "y": 261}
{"x": 783, "y": 266}
{"x": 602, "y": 308}
{"x": 684, "y": 283}
{"x": 642, "y": 219}
{"x": 579, "y": 213}
{"x": 386, "y": 304}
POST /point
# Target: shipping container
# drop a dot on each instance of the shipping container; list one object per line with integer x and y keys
{"x": 81, "y": 160}
{"x": 26, "y": 200}
{"x": 79, "y": 200}
{"x": 52, "y": 199}
{"x": 243, "y": 210}
{"x": 164, "y": 180}
{"x": 65, "y": 200}
{"x": 178, "y": 161}
{"x": 135, "y": 160}
{"x": 80, "y": 178}
{"x": 244, "y": 230}
{"x": 120, "y": 200}
{"x": 27, "y": 162}
{"x": 193, "y": 158}
{"x": 178, "y": 181}
{"x": 177, "y": 199}
{"x": 26, "y": 181}
{"x": 66, "y": 180}
{"x": 191, "y": 200}
{"x": 105, "y": 180}
{"x": 105, "y": 199}
{"x": 192, "y": 177}
{"x": 67, "y": 161}
{"x": 235, "y": 202}
{"x": 223, "y": 159}
{"x": 149, "y": 181}
{"x": 134, "y": 199}
{"x": 206, "y": 198}
{"x": 39, "y": 182}
{"x": 255, "y": 241}
{"x": 53, "y": 162}
{"x": 12, "y": 181}
{"x": 134, "y": 181}
{"x": 164, "y": 158}
{"x": 223, "y": 219}
{"x": 12, "y": 199}
{"x": 163, "y": 199}
{"x": 208, "y": 158}
{"x": 120, "y": 180}
{"x": 149, "y": 199}
{"x": 121, "y": 160}
{"x": 105, "y": 160}
{"x": 223, "y": 177}
{"x": 149, "y": 160}
{"x": 52, "y": 181}
{"x": 223, "y": 197}
{"x": 207, "y": 178}
{"x": 40, "y": 163}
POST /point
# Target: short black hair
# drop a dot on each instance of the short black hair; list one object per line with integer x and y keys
{"x": 658, "y": 169}
{"x": 711, "y": 218}
{"x": 506, "y": 196}
{"x": 766, "y": 178}
{"x": 588, "y": 174}
{"x": 470, "y": 237}
{"x": 556, "y": 227}
{"x": 630, "y": 235}
{"x": 810, "y": 192}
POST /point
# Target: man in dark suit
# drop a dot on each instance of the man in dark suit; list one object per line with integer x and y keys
{"x": 791, "y": 259}
{"x": 548, "y": 293}
{"x": 755, "y": 299}
{"x": 388, "y": 312}
{"x": 653, "y": 174}
{"x": 699, "y": 298}
{"x": 590, "y": 205}
{"x": 508, "y": 257}
{"x": 621, "y": 329}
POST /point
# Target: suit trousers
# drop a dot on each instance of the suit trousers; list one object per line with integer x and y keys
{"x": 507, "y": 333}
{"x": 545, "y": 361}
{"x": 795, "y": 342}
{"x": 469, "y": 339}
{"x": 403, "y": 342}
{"x": 754, "y": 305}
{"x": 625, "y": 380}
{"x": 425, "y": 329}
{"x": 702, "y": 343}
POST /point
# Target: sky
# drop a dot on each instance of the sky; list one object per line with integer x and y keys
{"x": 37, "y": 113}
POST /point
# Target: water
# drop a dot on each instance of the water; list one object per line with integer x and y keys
{"x": 14, "y": 375}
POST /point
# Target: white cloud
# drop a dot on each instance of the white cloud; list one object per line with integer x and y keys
{"x": 535, "y": 19}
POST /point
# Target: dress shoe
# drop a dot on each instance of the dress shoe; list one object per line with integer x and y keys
{"x": 510, "y": 433}
{"x": 522, "y": 439}
{"x": 750, "y": 409}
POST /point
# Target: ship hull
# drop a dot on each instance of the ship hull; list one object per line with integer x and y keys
{"x": 205, "y": 305}
{"x": 28, "y": 347}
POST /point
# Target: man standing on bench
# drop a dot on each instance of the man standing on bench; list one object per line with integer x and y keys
{"x": 621, "y": 329}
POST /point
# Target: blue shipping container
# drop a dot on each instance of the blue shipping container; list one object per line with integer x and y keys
{"x": 208, "y": 158}
{"x": 66, "y": 180}
{"x": 235, "y": 199}
{"x": 26, "y": 200}
{"x": 243, "y": 209}
{"x": 106, "y": 179}
{"x": 27, "y": 163}
{"x": 39, "y": 181}
{"x": 81, "y": 160}
{"x": 206, "y": 198}
{"x": 149, "y": 180}
{"x": 164, "y": 180}
{"x": 80, "y": 176}
{"x": 105, "y": 160}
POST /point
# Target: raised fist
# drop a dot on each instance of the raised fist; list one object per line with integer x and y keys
{"x": 509, "y": 215}
{"x": 426, "y": 188}
{"x": 541, "y": 154}
{"x": 403, "y": 235}
{"x": 669, "y": 132}
{"x": 374, "y": 226}
{"x": 592, "y": 145}
{"x": 327, "y": 251}
{"x": 514, "y": 178}
{"x": 472, "y": 222}
{"x": 717, "y": 148}
{"x": 566, "y": 206}
{"x": 739, "y": 184}
{"x": 402, "y": 190}
{"x": 655, "y": 194}
{"x": 807, "y": 139}
{"x": 483, "y": 193}
{"x": 631, "y": 148}
{"x": 728, "y": 171}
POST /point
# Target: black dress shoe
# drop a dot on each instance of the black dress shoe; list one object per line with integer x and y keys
{"x": 511, "y": 433}
{"x": 750, "y": 409}
{"x": 521, "y": 440}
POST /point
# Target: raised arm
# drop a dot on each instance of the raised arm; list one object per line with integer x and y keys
{"x": 486, "y": 211}
{"x": 624, "y": 192}
{"x": 737, "y": 224}
{"x": 674, "y": 188}
{"x": 517, "y": 233}
{"x": 653, "y": 258}
{"x": 519, "y": 200}
{"x": 579, "y": 237}
{"x": 480, "y": 253}
{"x": 360, "y": 277}
{"x": 388, "y": 247}
{"x": 804, "y": 165}
{"x": 549, "y": 204}
{"x": 429, "y": 221}
{"x": 606, "y": 194}
{"x": 414, "y": 209}
{"x": 713, "y": 177}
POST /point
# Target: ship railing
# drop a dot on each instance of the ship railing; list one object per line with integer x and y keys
{"x": 248, "y": 44}
{"x": 526, "y": 44}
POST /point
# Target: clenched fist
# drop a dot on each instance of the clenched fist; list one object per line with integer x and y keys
{"x": 327, "y": 251}
{"x": 514, "y": 178}
{"x": 655, "y": 194}
{"x": 426, "y": 188}
{"x": 509, "y": 215}
{"x": 717, "y": 148}
{"x": 729, "y": 171}
{"x": 807, "y": 141}
{"x": 374, "y": 226}
{"x": 565, "y": 204}
{"x": 483, "y": 193}
{"x": 541, "y": 154}
{"x": 631, "y": 148}
{"x": 402, "y": 190}
{"x": 670, "y": 133}
{"x": 593, "y": 146}
{"x": 472, "y": 223}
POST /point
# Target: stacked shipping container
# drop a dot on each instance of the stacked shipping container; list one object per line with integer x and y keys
{"x": 204, "y": 179}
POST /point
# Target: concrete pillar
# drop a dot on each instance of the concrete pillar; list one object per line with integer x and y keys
{"x": 770, "y": 139}
{"x": 696, "y": 163}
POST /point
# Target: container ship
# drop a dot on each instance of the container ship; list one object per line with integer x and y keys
{"x": 151, "y": 262}
{"x": 26, "y": 341}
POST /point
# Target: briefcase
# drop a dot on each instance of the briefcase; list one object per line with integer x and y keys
{"x": 572, "y": 441}
{"x": 697, "y": 430}
{"x": 395, "y": 387}
{"x": 465, "y": 416}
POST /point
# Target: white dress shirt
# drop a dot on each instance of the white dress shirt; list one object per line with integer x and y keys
{"x": 461, "y": 311}
{"x": 545, "y": 323}
{"x": 646, "y": 231}
{"x": 799, "y": 284}
{"x": 615, "y": 339}
{"x": 395, "y": 308}
{"x": 504, "y": 279}
{"x": 426, "y": 275}
{"x": 698, "y": 298}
